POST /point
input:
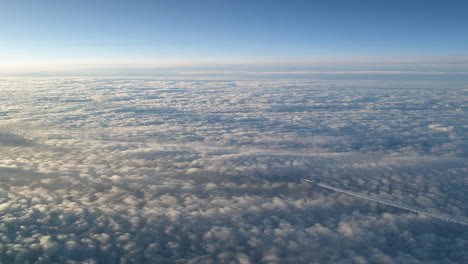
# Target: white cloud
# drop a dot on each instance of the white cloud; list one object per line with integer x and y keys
{"x": 147, "y": 171}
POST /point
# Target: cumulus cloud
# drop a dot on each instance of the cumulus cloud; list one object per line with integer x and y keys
{"x": 148, "y": 171}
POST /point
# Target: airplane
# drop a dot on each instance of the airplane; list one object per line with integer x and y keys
{"x": 314, "y": 180}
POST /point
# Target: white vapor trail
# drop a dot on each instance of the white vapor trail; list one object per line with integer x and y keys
{"x": 392, "y": 203}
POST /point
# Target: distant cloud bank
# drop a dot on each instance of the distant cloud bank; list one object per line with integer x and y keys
{"x": 419, "y": 68}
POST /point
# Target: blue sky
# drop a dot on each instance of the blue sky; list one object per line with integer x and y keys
{"x": 95, "y": 32}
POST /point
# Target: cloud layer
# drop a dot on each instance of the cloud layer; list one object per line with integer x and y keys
{"x": 147, "y": 171}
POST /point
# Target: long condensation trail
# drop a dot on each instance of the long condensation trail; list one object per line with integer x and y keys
{"x": 391, "y": 203}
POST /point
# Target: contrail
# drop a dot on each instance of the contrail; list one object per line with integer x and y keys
{"x": 389, "y": 202}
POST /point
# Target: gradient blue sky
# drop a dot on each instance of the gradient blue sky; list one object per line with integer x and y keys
{"x": 91, "y": 31}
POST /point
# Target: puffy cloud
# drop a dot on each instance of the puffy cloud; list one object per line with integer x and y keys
{"x": 147, "y": 171}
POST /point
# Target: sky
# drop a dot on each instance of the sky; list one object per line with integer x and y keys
{"x": 40, "y": 33}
